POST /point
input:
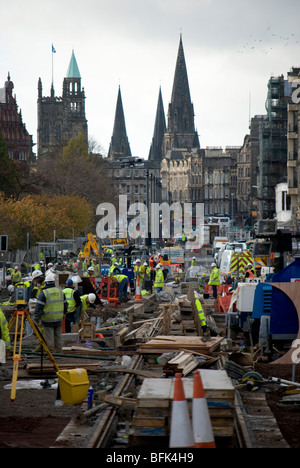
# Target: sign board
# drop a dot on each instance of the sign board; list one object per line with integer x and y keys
{"x": 3, "y": 243}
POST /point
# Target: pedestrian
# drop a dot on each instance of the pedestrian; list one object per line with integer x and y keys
{"x": 4, "y": 337}
{"x": 159, "y": 278}
{"x": 123, "y": 282}
{"x": 214, "y": 280}
{"x": 74, "y": 303}
{"x": 193, "y": 261}
{"x": 50, "y": 309}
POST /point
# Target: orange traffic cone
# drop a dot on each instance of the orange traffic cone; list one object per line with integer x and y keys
{"x": 138, "y": 295}
{"x": 202, "y": 428}
{"x": 181, "y": 432}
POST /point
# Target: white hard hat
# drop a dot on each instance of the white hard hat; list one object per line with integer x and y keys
{"x": 16, "y": 267}
{"x": 116, "y": 264}
{"x": 50, "y": 264}
{"x": 36, "y": 274}
{"x": 138, "y": 260}
{"x": 50, "y": 278}
{"x": 213, "y": 265}
{"x": 90, "y": 268}
{"x": 145, "y": 264}
{"x": 158, "y": 266}
{"x": 194, "y": 258}
{"x": 10, "y": 288}
{"x": 92, "y": 298}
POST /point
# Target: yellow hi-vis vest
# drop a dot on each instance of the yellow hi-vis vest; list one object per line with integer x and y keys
{"x": 214, "y": 279}
{"x": 54, "y": 307}
{"x": 69, "y": 294}
{"x": 159, "y": 279}
{"x": 119, "y": 278}
{"x": 201, "y": 314}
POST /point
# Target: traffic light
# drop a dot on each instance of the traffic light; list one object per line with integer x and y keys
{"x": 3, "y": 243}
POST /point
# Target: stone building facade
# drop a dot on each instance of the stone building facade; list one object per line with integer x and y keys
{"x": 18, "y": 141}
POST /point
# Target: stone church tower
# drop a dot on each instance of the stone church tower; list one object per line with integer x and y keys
{"x": 61, "y": 118}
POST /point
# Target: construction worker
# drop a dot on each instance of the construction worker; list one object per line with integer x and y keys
{"x": 229, "y": 279}
{"x": 123, "y": 282}
{"x": 147, "y": 282}
{"x": 114, "y": 268}
{"x": 214, "y": 280}
{"x": 250, "y": 272}
{"x": 50, "y": 309}
{"x": 200, "y": 312}
{"x": 74, "y": 302}
{"x": 193, "y": 261}
{"x": 88, "y": 300}
{"x": 114, "y": 258}
{"x": 137, "y": 270}
{"x": 90, "y": 273}
{"x": 159, "y": 278}
{"x": 16, "y": 276}
{"x": 4, "y": 335}
{"x": 96, "y": 267}
{"x": 85, "y": 264}
{"x": 37, "y": 284}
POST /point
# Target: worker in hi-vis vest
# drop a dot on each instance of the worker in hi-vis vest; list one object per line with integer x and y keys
{"x": 200, "y": 312}
{"x": 214, "y": 279}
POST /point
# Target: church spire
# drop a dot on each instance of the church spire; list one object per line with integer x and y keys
{"x": 181, "y": 129}
{"x": 155, "y": 153}
{"x": 119, "y": 145}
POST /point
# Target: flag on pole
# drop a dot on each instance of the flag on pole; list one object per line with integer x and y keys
{"x": 53, "y": 50}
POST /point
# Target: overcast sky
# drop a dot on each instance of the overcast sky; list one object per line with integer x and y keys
{"x": 231, "y": 50}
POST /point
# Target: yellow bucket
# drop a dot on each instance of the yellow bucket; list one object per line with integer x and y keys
{"x": 73, "y": 385}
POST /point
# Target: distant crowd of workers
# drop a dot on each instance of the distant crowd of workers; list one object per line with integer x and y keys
{"x": 53, "y": 303}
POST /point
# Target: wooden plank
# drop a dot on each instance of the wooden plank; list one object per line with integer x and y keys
{"x": 138, "y": 421}
{"x": 164, "y": 344}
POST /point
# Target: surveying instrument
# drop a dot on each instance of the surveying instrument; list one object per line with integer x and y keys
{"x": 18, "y": 319}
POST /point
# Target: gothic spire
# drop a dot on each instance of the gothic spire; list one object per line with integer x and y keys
{"x": 181, "y": 129}
{"x": 119, "y": 145}
{"x": 155, "y": 153}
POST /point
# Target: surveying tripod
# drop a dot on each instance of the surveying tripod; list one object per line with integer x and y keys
{"x": 18, "y": 318}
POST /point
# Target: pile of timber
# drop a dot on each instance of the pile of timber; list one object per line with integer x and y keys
{"x": 185, "y": 363}
{"x": 153, "y": 412}
{"x": 167, "y": 344}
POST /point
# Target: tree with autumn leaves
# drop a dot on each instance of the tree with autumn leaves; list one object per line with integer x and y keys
{"x": 41, "y": 215}
{"x": 66, "y": 189}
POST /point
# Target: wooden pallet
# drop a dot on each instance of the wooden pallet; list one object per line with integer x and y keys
{"x": 154, "y": 405}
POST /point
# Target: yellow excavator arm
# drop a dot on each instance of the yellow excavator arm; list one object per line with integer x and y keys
{"x": 91, "y": 245}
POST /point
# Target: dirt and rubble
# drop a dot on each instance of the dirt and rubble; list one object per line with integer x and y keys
{"x": 34, "y": 420}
